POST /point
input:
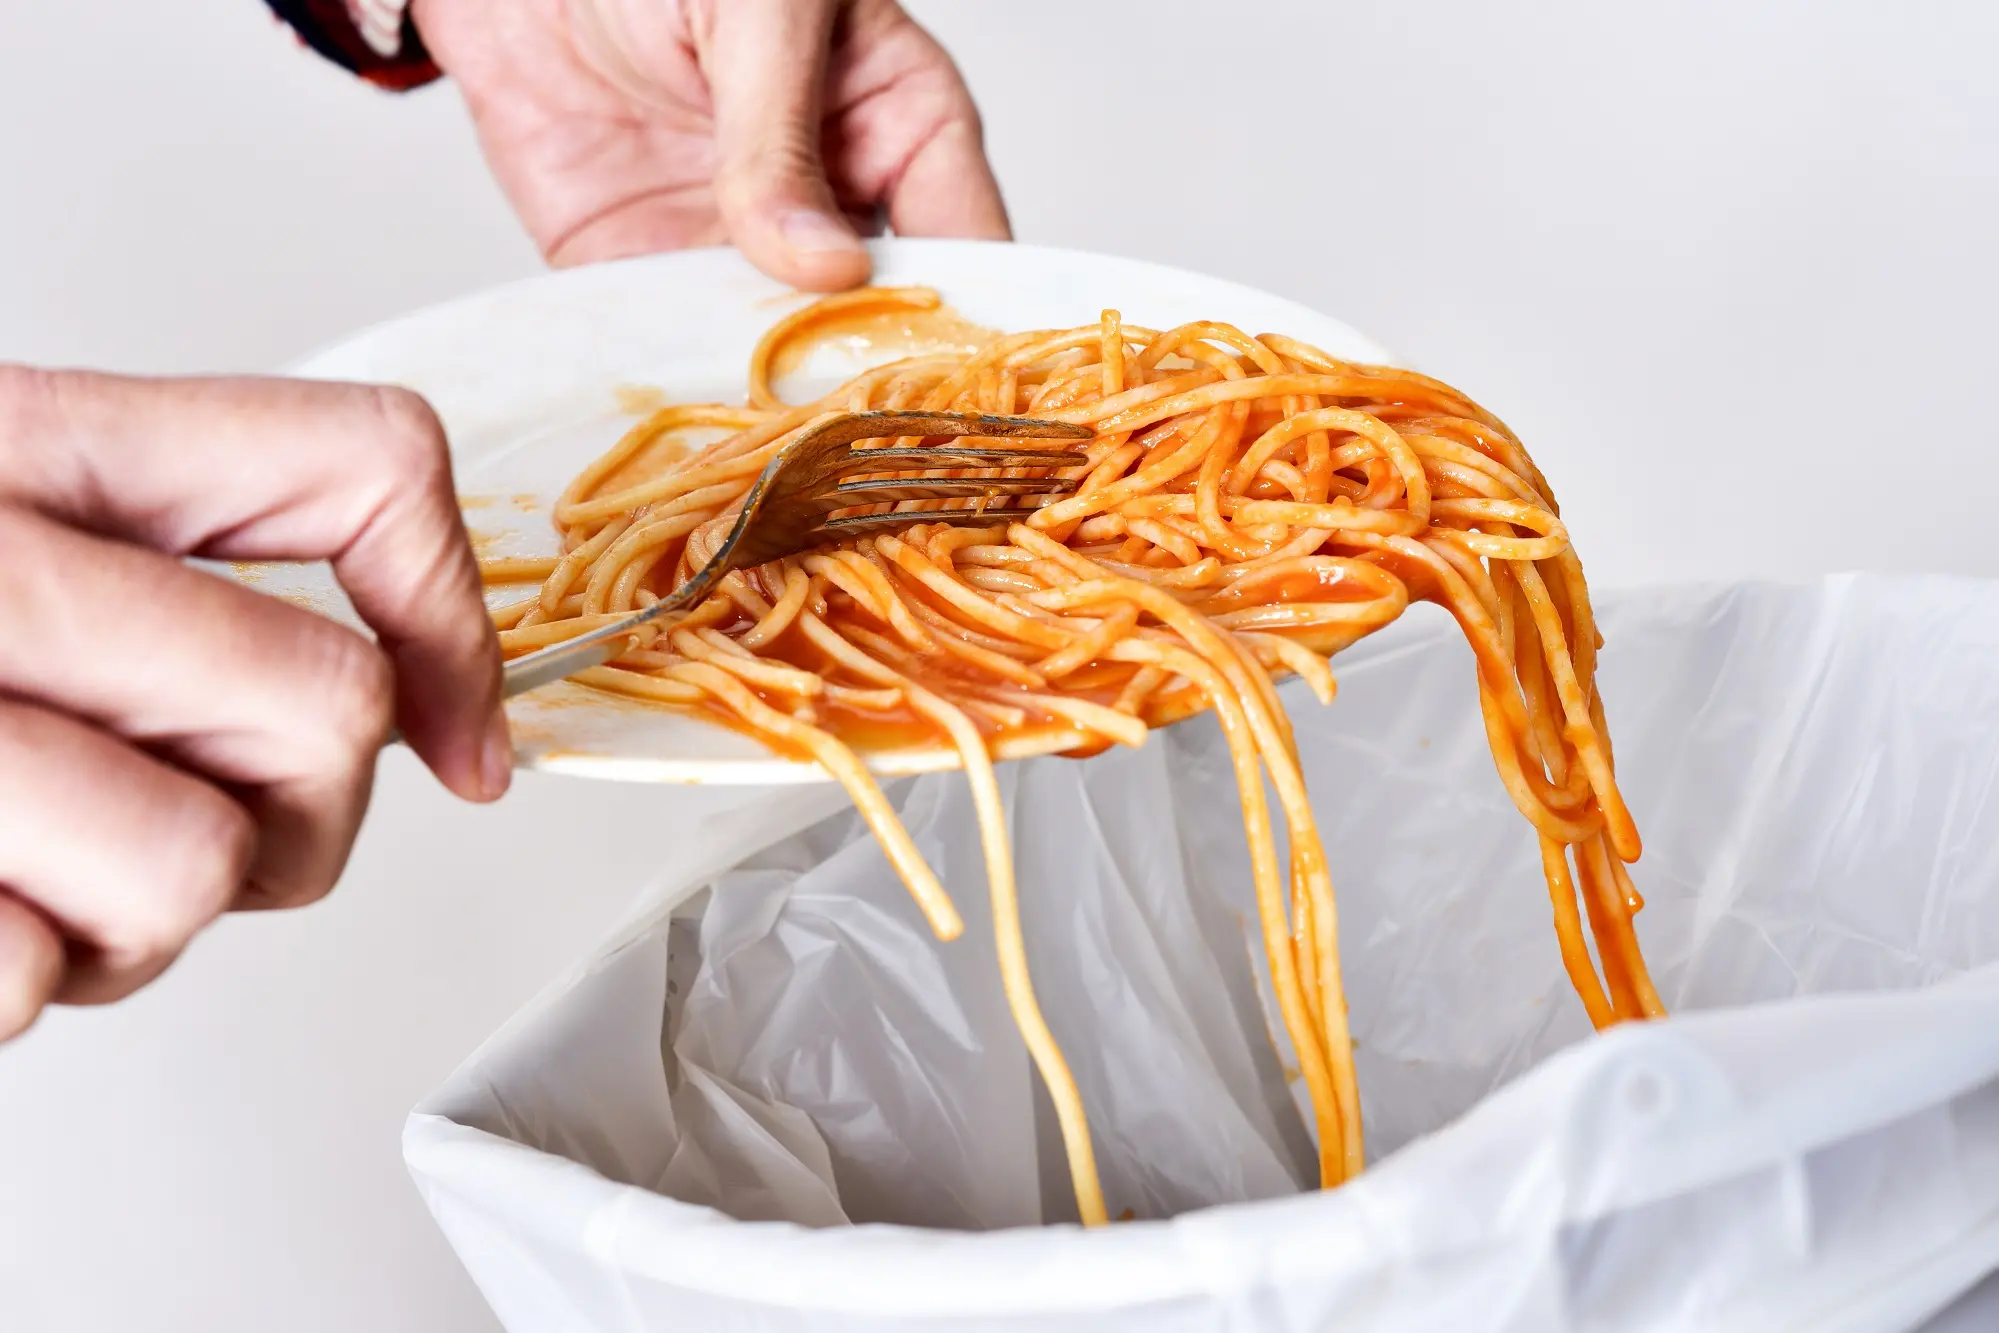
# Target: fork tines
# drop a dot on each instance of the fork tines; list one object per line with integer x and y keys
{"x": 896, "y": 476}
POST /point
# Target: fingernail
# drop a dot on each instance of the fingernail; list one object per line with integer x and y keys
{"x": 811, "y": 232}
{"x": 497, "y": 760}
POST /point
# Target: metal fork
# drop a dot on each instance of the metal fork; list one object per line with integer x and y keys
{"x": 787, "y": 508}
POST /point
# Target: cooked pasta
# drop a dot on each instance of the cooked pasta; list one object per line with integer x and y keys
{"x": 1250, "y": 506}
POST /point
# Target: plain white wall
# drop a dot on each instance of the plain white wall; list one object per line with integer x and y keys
{"x": 1728, "y": 267}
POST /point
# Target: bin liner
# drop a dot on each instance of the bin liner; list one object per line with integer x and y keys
{"x": 773, "y": 1101}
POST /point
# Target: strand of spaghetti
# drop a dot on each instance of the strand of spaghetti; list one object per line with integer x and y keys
{"x": 866, "y": 701}
{"x": 1594, "y": 862}
{"x": 1304, "y": 616}
{"x": 1019, "y": 349}
{"x": 1142, "y": 411}
{"x": 1215, "y": 533}
{"x": 1111, "y": 353}
{"x": 1198, "y": 575}
{"x": 699, "y": 646}
{"x": 972, "y": 647}
{"x": 516, "y": 570}
{"x": 1465, "y": 605}
{"x": 900, "y": 612}
{"x": 1093, "y": 645}
{"x": 630, "y": 589}
{"x": 1024, "y": 346}
{"x": 1537, "y": 690}
{"x": 508, "y": 616}
{"x": 1495, "y": 478}
{"x": 1305, "y": 940}
{"x": 845, "y": 767}
{"x": 1342, "y": 515}
{"x": 1578, "y": 729}
{"x": 666, "y": 495}
{"x": 1171, "y": 540}
{"x": 552, "y": 631}
{"x": 1138, "y": 689}
{"x": 1570, "y": 593}
{"x": 1634, "y": 958}
{"x": 705, "y": 487}
{"x": 1251, "y": 686}
{"x": 984, "y": 610}
{"x": 839, "y": 574}
{"x": 1475, "y": 574}
{"x": 1315, "y": 1056}
{"x": 635, "y": 541}
{"x": 797, "y": 586}
{"x": 1313, "y": 669}
{"x": 1521, "y": 781}
{"x": 1150, "y": 476}
{"x": 1569, "y": 934}
{"x": 1292, "y": 479}
{"x": 1498, "y": 445}
{"x": 1386, "y": 441}
{"x": 1598, "y": 895}
{"x": 1385, "y": 376}
{"x": 1108, "y": 723}
{"x": 998, "y": 580}
{"x": 662, "y": 422}
{"x": 572, "y": 566}
{"x": 1553, "y": 539}
{"x": 1009, "y": 942}
{"x": 641, "y": 685}
{"x": 943, "y": 542}
{"x": 773, "y": 342}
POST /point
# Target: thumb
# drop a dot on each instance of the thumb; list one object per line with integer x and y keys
{"x": 766, "y": 66}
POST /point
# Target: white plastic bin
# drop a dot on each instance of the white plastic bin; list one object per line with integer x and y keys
{"x": 776, "y": 1103}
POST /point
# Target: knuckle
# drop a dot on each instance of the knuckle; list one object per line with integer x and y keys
{"x": 20, "y": 1004}
{"x": 352, "y": 695}
{"x": 202, "y": 863}
{"x": 769, "y": 168}
{"x": 787, "y": 152}
{"x": 30, "y": 965}
{"x": 26, "y": 405}
{"x": 410, "y": 436}
{"x": 24, "y": 392}
{"x": 967, "y": 112}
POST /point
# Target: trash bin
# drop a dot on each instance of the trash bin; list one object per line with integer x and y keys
{"x": 774, "y": 1101}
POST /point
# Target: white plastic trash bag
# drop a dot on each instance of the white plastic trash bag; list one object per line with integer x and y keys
{"x": 777, "y": 1103}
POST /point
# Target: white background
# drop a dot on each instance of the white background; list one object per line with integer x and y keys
{"x": 1728, "y": 267}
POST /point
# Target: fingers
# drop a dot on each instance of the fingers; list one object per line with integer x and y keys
{"x": 941, "y": 183}
{"x": 765, "y": 62}
{"x": 283, "y": 707}
{"x": 128, "y": 856}
{"x": 948, "y": 189}
{"x": 31, "y": 965}
{"x": 250, "y": 469}
{"x": 173, "y": 744}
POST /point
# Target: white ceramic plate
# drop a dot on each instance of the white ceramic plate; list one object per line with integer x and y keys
{"x": 532, "y": 379}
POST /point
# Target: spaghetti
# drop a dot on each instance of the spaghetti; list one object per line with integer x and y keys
{"x": 1250, "y": 506}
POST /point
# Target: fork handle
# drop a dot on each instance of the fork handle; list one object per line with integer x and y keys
{"x": 559, "y": 661}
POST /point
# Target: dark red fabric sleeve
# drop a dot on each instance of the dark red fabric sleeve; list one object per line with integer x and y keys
{"x": 336, "y": 30}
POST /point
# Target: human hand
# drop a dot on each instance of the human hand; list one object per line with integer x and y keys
{"x": 173, "y": 745}
{"x": 622, "y": 127}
